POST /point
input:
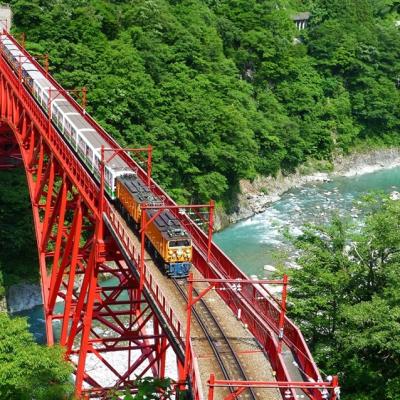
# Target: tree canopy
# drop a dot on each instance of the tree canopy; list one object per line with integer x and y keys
{"x": 29, "y": 370}
{"x": 226, "y": 90}
{"x": 345, "y": 299}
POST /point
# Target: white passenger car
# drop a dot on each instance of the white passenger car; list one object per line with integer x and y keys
{"x": 73, "y": 127}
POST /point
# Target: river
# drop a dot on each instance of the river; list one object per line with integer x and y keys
{"x": 257, "y": 241}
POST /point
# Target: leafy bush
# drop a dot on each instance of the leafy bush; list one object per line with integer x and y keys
{"x": 29, "y": 370}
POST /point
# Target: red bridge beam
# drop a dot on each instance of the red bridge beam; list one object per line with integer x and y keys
{"x": 329, "y": 390}
{"x": 74, "y": 256}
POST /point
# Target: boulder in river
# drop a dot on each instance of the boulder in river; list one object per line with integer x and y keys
{"x": 269, "y": 268}
{"x": 395, "y": 195}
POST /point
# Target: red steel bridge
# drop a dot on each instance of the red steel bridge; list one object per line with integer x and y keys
{"x": 81, "y": 240}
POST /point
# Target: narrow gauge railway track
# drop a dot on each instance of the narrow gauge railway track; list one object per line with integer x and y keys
{"x": 219, "y": 342}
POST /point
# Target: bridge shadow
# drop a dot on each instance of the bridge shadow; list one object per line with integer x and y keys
{"x": 18, "y": 251}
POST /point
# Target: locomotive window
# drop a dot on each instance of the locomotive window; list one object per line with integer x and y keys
{"x": 179, "y": 243}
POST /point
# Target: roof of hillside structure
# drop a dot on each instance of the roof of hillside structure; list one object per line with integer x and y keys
{"x": 302, "y": 16}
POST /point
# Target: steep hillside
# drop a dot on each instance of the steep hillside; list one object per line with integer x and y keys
{"x": 230, "y": 89}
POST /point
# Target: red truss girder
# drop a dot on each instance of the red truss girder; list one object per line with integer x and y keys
{"x": 47, "y": 156}
{"x": 329, "y": 390}
{"x": 95, "y": 321}
{"x": 10, "y": 156}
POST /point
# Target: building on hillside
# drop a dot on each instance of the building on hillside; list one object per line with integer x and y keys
{"x": 301, "y": 20}
{"x": 5, "y": 17}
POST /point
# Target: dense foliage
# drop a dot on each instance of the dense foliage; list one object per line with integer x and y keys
{"x": 226, "y": 89}
{"x": 149, "y": 388}
{"x": 28, "y": 370}
{"x": 346, "y": 300}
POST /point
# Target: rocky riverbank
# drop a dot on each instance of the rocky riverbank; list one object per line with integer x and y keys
{"x": 3, "y": 305}
{"x": 256, "y": 196}
{"x": 23, "y": 296}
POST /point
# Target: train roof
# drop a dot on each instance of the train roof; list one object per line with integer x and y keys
{"x": 5, "y": 39}
{"x": 117, "y": 164}
{"x": 78, "y": 122}
{"x": 168, "y": 225}
{"x": 20, "y": 57}
{"x": 139, "y": 190}
{"x": 35, "y": 74}
{"x": 28, "y": 66}
{"x": 44, "y": 84}
{"x": 64, "y": 106}
{"x": 13, "y": 49}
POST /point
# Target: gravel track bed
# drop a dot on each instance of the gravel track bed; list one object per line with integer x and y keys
{"x": 254, "y": 361}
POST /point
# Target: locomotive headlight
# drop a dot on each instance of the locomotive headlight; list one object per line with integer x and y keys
{"x": 179, "y": 252}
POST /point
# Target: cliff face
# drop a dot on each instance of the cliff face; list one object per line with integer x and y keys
{"x": 255, "y": 196}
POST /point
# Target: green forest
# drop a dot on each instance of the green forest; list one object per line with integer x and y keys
{"x": 346, "y": 299}
{"x": 226, "y": 90}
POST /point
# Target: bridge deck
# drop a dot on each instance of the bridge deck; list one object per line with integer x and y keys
{"x": 254, "y": 361}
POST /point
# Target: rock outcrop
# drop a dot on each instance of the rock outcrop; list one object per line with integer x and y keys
{"x": 23, "y": 296}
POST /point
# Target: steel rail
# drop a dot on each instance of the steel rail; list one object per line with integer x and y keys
{"x": 211, "y": 340}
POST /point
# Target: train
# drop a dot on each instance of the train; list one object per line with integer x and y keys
{"x": 166, "y": 240}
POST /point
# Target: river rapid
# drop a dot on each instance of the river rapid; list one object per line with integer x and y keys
{"x": 260, "y": 240}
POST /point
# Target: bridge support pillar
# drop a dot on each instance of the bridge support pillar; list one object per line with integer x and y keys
{"x": 111, "y": 334}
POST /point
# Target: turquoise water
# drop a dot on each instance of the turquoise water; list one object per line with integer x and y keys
{"x": 255, "y": 242}
{"x": 259, "y": 240}
{"x": 35, "y": 317}
{"x": 36, "y": 320}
